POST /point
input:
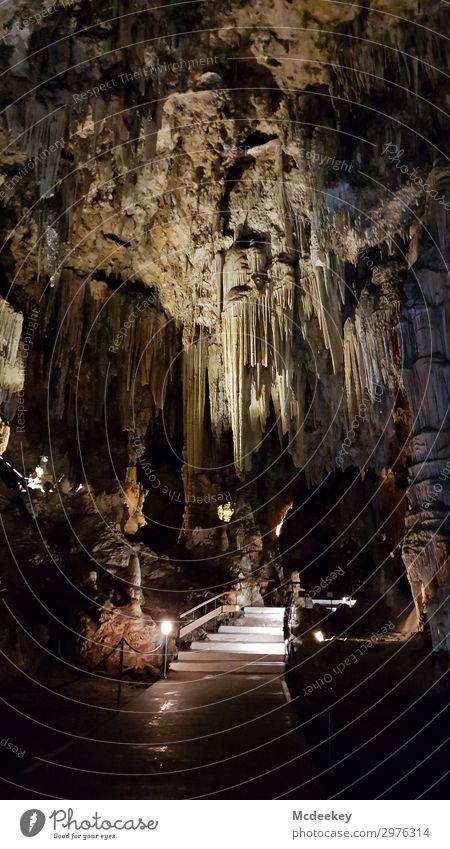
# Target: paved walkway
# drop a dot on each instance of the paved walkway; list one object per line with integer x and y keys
{"x": 218, "y": 727}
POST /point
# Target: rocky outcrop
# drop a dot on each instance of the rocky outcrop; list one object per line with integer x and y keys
{"x": 424, "y": 333}
{"x": 101, "y": 642}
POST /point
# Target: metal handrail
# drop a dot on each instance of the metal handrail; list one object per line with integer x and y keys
{"x": 186, "y": 627}
{"x": 287, "y": 619}
{"x": 202, "y": 604}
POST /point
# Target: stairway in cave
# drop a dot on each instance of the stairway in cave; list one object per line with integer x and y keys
{"x": 219, "y": 726}
{"x": 259, "y": 631}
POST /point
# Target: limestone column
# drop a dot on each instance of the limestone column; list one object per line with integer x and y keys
{"x": 424, "y": 332}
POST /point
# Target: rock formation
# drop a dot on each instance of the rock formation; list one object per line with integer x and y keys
{"x": 424, "y": 335}
{"x": 229, "y": 220}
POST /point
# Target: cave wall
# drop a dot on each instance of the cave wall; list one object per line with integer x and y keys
{"x": 425, "y": 339}
{"x": 223, "y": 205}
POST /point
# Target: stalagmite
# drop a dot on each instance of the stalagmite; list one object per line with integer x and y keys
{"x": 134, "y": 496}
{"x": 134, "y": 578}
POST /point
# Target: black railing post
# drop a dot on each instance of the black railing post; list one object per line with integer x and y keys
{"x": 329, "y": 694}
{"x": 119, "y": 686}
{"x": 166, "y": 637}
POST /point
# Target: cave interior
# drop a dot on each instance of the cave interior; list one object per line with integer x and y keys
{"x": 224, "y": 364}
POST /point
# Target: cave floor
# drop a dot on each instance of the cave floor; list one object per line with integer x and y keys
{"x": 380, "y": 729}
{"x": 222, "y": 729}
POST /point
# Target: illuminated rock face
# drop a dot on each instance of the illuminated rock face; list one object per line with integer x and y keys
{"x": 11, "y": 367}
{"x": 133, "y": 498}
{"x": 424, "y": 332}
{"x": 126, "y": 622}
{"x": 222, "y": 252}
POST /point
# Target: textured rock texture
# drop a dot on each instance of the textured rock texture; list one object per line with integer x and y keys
{"x": 424, "y": 331}
{"x": 221, "y": 213}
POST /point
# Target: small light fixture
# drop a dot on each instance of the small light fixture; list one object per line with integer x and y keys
{"x": 318, "y": 635}
{"x": 166, "y": 628}
{"x": 225, "y": 512}
{"x": 350, "y": 602}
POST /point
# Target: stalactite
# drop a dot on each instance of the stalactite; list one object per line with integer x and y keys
{"x": 411, "y": 54}
{"x": 370, "y": 353}
{"x": 259, "y": 365}
{"x": 135, "y": 338}
{"x": 194, "y": 378}
{"x": 11, "y": 366}
{"x": 43, "y": 143}
{"x": 323, "y": 292}
{"x": 11, "y": 363}
{"x": 145, "y": 355}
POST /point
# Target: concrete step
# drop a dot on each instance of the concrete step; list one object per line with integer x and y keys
{"x": 199, "y": 662}
{"x": 237, "y": 657}
{"x": 258, "y": 622}
{"x": 277, "y": 612}
{"x": 246, "y": 648}
{"x": 259, "y": 619}
{"x": 235, "y": 636}
{"x": 250, "y": 629}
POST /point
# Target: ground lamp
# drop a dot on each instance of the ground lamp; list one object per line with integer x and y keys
{"x": 166, "y": 629}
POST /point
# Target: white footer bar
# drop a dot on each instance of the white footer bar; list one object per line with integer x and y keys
{"x": 223, "y": 824}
